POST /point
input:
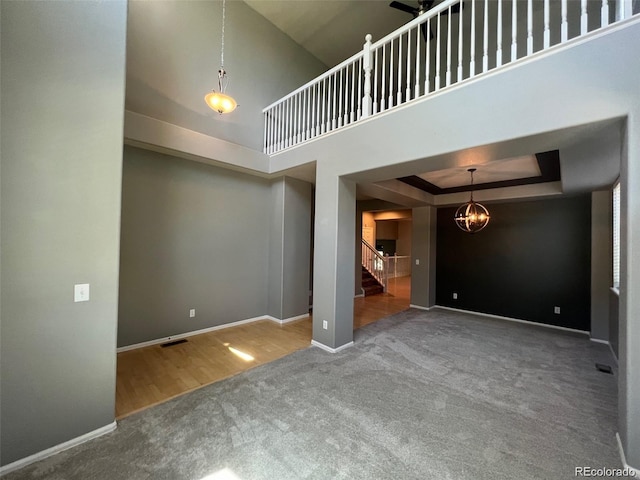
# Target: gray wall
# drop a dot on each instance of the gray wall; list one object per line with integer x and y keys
{"x": 423, "y": 276}
{"x": 289, "y": 248}
{"x": 62, "y": 115}
{"x": 193, "y": 236}
{"x": 601, "y": 262}
{"x": 614, "y": 308}
{"x": 297, "y": 248}
{"x": 405, "y": 230}
{"x": 173, "y": 56}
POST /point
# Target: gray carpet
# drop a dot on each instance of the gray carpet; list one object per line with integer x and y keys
{"x": 424, "y": 395}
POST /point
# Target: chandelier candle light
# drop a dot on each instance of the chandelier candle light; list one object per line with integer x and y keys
{"x": 220, "y": 101}
{"x": 471, "y": 216}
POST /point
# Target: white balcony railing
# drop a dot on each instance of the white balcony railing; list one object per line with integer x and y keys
{"x": 452, "y": 42}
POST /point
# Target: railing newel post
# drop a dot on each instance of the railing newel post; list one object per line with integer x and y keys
{"x": 366, "y": 66}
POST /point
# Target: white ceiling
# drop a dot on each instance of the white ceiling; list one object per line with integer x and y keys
{"x": 332, "y": 30}
{"x": 496, "y": 171}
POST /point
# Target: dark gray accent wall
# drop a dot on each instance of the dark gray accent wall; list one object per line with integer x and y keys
{"x": 63, "y": 70}
{"x": 193, "y": 236}
{"x": 532, "y": 256}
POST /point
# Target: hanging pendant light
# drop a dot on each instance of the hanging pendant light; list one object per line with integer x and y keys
{"x": 220, "y": 101}
{"x": 471, "y": 216}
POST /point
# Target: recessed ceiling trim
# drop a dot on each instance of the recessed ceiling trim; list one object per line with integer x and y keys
{"x": 548, "y": 162}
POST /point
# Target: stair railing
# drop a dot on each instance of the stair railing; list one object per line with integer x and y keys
{"x": 452, "y": 42}
{"x": 375, "y": 263}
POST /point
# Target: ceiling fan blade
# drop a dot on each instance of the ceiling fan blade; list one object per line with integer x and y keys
{"x": 405, "y": 8}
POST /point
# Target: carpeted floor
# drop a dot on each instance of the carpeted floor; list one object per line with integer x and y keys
{"x": 422, "y": 395}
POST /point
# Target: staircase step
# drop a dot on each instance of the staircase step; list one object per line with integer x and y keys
{"x": 372, "y": 290}
{"x": 370, "y": 285}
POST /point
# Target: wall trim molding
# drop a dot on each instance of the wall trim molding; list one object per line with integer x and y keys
{"x": 517, "y": 320}
{"x": 192, "y": 333}
{"x": 23, "y": 462}
{"x": 623, "y": 456}
{"x": 329, "y": 349}
{"x": 597, "y": 340}
{"x": 286, "y": 320}
{"x": 420, "y": 307}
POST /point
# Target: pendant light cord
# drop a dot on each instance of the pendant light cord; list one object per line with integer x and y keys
{"x": 221, "y": 72}
{"x": 471, "y": 170}
{"x": 223, "y": 21}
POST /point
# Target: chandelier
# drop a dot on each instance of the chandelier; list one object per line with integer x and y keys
{"x": 471, "y": 216}
{"x": 220, "y": 101}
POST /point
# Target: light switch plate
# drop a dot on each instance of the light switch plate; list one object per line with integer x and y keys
{"x": 81, "y": 292}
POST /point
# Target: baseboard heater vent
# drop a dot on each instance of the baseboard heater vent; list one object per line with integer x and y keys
{"x": 604, "y": 368}
{"x": 176, "y": 342}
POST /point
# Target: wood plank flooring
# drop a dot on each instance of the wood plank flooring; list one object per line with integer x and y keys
{"x": 152, "y": 375}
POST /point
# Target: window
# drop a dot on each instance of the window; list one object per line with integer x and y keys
{"x": 616, "y": 235}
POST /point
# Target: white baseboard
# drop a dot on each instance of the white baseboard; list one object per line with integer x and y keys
{"x": 58, "y": 448}
{"x": 605, "y": 342}
{"x": 192, "y": 333}
{"x": 517, "y": 320}
{"x": 419, "y": 307}
{"x": 625, "y": 465}
{"x": 359, "y": 296}
{"x": 597, "y": 340}
{"x": 329, "y": 349}
{"x": 613, "y": 354}
{"x": 286, "y": 320}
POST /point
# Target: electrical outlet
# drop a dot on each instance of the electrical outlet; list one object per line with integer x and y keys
{"x": 325, "y": 324}
{"x": 417, "y": 261}
{"x": 192, "y": 313}
{"x": 556, "y": 310}
{"x": 81, "y": 292}
{"x": 455, "y": 296}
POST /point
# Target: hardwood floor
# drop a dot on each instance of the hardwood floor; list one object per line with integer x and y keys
{"x": 370, "y": 309}
{"x": 152, "y": 375}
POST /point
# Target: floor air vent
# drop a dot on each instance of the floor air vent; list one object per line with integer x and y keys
{"x": 171, "y": 344}
{"x": 604, "y": 368}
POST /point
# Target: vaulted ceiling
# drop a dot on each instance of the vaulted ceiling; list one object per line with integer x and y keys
{"x": 332, "y": 30}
